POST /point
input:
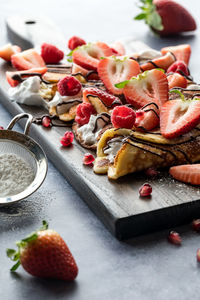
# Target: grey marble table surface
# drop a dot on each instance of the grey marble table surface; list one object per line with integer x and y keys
{"x": 146, "y": 267}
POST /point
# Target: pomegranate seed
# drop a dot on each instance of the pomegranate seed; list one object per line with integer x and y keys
{"x": 196, "y": 225}
{"x": 1, "y": 128}
{"x": 67, "y": 139}
{"x": 88, "y": 159}
{"x": 151, "y": 172}
{"x": 174, "y": 238}
{"x": 198, "y": 255}
{"x": 145, "y": 190}
{"x": 46, "y": 122}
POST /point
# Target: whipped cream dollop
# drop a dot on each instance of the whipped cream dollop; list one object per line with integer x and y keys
{"x": 113, "y": 147}
{"x": 58, "y": 99}
{"x": 86, "y": 131}
{"x": 27, "y": 92}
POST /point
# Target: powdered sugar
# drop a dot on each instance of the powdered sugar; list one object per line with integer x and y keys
{"x": 15, "y": 175}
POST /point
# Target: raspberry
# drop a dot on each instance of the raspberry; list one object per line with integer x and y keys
{"x": 51, "y": 54}
{"x": 145, "y": 190}
{"x": 83, "y": 113}
{"x": 69, "y": 86}
{"x": 174, "y": 238}
{"x": 46, "y": 122}
{"x": 88, "y": 159}
{"x": 67, "y": 139}
{"x": 123, "y": 117}
{"x": 180, "y": 67}
{"x": 74, "y": 42}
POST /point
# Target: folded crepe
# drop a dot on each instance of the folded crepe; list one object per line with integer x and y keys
{"x": 122, "y": 151}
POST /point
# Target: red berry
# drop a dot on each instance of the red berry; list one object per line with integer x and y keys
{"x": 83, "y": 113}
{"x": 174, "y": 238}
{"x": 46, "y": 122}
{"x": 198, "y": 255}
{"x": 69, "y": 86}
{"x": 145, "y": 190}
{"x": 123, "y": 117}
{"x": 74, "y": 42}
{"x": 51, "y": 54}
{"x": 1, "y": 128}
{"x": 151, "y": 172}
{"x": 180, "y": 67}
{"x": 88, "y": 159}
{"x": 196, "y": 225}
{"x": 67, "y": 139}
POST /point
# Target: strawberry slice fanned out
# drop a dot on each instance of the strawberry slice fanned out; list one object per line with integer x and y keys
{"x": 179, "y": 116}
{"x": 88, "y": 56}
{"x": 150, "y": 86}
{"x": 162, "y": 62}
{"x": 27, "y": 59}
{"x": 181, "y": 52}
{"x": 186, "y": 173}
{"x": 113, "y": 70}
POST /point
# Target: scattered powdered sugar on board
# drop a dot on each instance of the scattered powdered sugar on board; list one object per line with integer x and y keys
{"x": 15, "y": 175}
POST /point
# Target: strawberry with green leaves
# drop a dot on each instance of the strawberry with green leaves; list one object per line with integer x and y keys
{"x": 44, "y": 254}
{"x": 166, "y": 17}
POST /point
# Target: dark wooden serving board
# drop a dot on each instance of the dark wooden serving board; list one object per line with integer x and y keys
{"x": 116, "y": 203}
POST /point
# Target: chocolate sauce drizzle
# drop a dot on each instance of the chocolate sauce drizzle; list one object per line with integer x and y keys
{"x": 54, "y": 118}
{"x": 68, "y": 104}
{"x": 101, "y": 117}
{"x": 117, "y": 101}
{"x": 20, "y": 77}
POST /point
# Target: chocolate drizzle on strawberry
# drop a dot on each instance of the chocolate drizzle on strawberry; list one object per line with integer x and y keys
{"x": 115, "y": 102}
{"x": 20, "y": 77}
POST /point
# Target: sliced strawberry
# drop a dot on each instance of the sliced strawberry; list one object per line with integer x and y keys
{"x": 147, "y": 118}
{"x": 27, "y": 59}
{"x": 179, "y": 67}
{"x": 24, "y": 74}
{"x": 90, "y": 75}
{"x": 162, "y": 62}
{"x": 107, "y": 99}
{"x": 178, "y": 117}
{"x": 176, "y": 80}
{"x": 150, "y": 86}
{"x": 186, "y": 173}
{"x": 181, "y": 52}
{"x": 118, "y": 47}
{"x": 113, "y": 70}
{"x": 8, "y": 50}
{"x": 88, "y": 56}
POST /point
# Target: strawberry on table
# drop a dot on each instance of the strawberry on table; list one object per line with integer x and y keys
{"x": 27, "y": 59}
{"x": 176, "y": 80}
{"x": 179, "y": 116}
{"x": 10, "y": 76}
{"x": 181, "y": 52}
{"x": 44, "y": 254}
{"x": 150, "y": 86}
{"x": 166, "y": 17}
{"x": 163, "y": 62}
{"x": 88, "y": 56}
{"x": 113, "y": 70}
{"x": 186, "y": 173}
{"x": 8, "y": 50}
{"x": 51, "y": 54}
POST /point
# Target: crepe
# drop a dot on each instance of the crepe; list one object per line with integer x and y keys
{"x": 123, "y": 151}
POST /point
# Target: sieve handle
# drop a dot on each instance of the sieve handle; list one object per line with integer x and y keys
{"x": 19, "y": 117}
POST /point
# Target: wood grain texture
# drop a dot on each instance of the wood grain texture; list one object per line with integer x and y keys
{"x": 116, "y": 203}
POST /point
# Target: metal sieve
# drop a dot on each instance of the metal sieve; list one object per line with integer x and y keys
{"x": 13, "y": 142}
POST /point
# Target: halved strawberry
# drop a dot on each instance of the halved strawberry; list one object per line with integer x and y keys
{"x": 107, "y": 99}
{"x": 8, "y": 50}
{"x": 88, "y": 56}
{"x": 176, "y": 80}
{"x": 179, "y": 116}
{"x": 118, "y": 47}
{"x": 13, "y": 82}
{"x": 179, "y": 67}
{"x": 186, "y": 173}
{"x": 27, "y": 59}
{"x": 90, "y": 75}
{"x": 162, "y": 62}
{"x": 150, "y": 86}
{"x": 147, "y": 118}
{"x": 181, "y": 52}
{"x": 113, "y": 70}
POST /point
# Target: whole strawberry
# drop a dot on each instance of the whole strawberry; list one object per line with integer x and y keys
{"x": 44, "y": 254}
{"x": 166, "y": 17}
